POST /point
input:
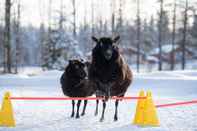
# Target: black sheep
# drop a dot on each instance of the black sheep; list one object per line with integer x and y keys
{"x": 74, "y": 84}
{"x": 109, "y": 71}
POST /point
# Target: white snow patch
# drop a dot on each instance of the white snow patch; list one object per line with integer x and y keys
{"x": 167, "y": 87}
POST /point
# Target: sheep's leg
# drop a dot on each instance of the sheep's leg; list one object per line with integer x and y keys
{"x": 103, "y": 112}
{"x": 96, "y": 111}
{"x": 84, "y": 107}
{"x": 78, "y": 106}
{"x": 116, "y": 110}
{"x": 73, "y": 108}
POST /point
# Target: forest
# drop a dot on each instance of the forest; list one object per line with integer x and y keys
{"x": 155, "y": 34}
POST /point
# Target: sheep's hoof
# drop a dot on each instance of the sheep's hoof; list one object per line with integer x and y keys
{"x": 77, "y": 116}
{"x": 115, "y": 118}
{"x": 72, "y": 115}
{"x": 96, "y": 113}
{"x": 82, "y": 114}
{"x": 102, "y": 119}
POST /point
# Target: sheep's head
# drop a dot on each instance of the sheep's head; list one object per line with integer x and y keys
{"x": 76, "y": 68}
{"x": 106, "y": 45}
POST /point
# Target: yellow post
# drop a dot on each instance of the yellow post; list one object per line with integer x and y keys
{"x": 6, "y": 113}
{"x": 146, "y": 114}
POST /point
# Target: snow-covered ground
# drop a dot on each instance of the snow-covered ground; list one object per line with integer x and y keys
{"x": 166, "y": 87}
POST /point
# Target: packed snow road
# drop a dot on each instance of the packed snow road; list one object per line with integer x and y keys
{"x": 167, "y": 87}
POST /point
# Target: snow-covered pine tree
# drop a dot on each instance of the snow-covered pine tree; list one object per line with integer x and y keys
{"x": 59, "y": 45}
{"x": 53, "y": 50}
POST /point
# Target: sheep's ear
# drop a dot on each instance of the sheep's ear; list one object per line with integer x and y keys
{"x": 94, "y": 39}
{"x": 81, "y": 60}
{"x": 116, "y": 39}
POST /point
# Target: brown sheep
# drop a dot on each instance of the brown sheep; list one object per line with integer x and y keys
{"x": 109, "y": 71}
{"x": 75, "y": 84}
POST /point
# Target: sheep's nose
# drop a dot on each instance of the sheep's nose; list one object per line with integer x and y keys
{"x": 109, "y": 52}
